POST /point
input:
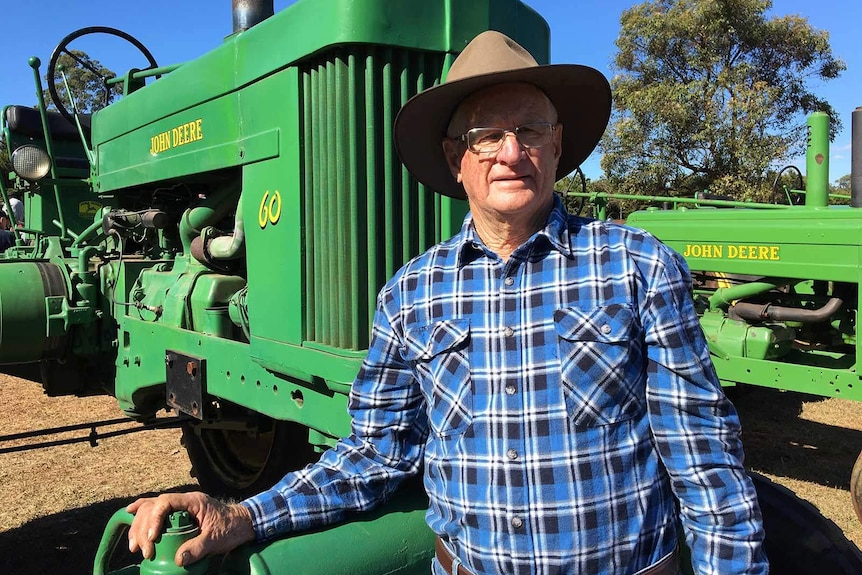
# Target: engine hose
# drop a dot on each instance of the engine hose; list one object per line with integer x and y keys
{"x": 214, "y": 207}
{"x": 760, "y": 312}
{"x": 229, "y": 247}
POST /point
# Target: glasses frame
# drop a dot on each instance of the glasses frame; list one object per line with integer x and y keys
{"x": 465, "y": 137}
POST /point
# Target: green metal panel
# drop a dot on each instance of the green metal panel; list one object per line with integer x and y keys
{"x": 232, "y": 374}
{"x": 814, "y": 243}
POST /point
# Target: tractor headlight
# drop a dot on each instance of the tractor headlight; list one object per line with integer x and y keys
{"x": 31, "y": 162}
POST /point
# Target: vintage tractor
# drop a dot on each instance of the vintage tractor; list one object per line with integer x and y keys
{"x": 213, "y": 242}
{"x": 776, "y": 284}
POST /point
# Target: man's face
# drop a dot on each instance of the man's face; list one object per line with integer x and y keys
{"x": 514, "y": 180}
{"x": 5, "y": 222}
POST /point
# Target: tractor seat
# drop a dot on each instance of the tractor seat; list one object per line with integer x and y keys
{"x": 27, "y": 122}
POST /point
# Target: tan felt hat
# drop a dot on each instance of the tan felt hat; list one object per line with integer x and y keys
{"x": 581, "y": 95}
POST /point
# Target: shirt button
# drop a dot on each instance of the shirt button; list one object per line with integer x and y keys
{"x": 510, "y": 389}
{"x": 270, "y": 530}
{"x": 606, "y": 329}
{"x": 512, "y": 454}
{"x": 517, "y": 522}
{"x": 509, "y": 281}
{"x": 509, "y": 332}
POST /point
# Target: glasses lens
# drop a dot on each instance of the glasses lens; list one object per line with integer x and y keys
{"x": 488, "y": 140}
{"x": 534, "y": 135}
{"x": 485, "y": 139}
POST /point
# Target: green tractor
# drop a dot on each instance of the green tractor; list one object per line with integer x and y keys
{"x": 777, "y": 285}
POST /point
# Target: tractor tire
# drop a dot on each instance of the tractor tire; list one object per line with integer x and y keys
{"x": 856, "y": 486}
{"x": 799, "y": 540}
{"x": 237, "y": 464}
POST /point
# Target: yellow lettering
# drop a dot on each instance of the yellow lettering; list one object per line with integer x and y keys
{"x": 704, "y": 251}
{"x": 263, "y": 212}
{"x": 732, "y": 252}
{"x": 773, "y": 253}
{"x": 762, "y": 253}
{"x": 178, "y": 136}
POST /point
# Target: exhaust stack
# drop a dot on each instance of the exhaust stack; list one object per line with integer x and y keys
{"x": 856, "y": 159}
{"x": 247, "y": 13}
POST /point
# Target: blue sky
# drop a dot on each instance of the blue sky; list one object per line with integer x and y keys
{"x": 582, "y": 31}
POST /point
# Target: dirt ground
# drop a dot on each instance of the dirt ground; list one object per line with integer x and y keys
{"x": 57, "y": 500}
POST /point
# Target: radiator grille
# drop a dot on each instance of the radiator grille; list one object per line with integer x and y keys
{"x": 364, "y": 215}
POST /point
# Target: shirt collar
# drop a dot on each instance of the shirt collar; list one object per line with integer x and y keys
{"x": 555, "y": 232}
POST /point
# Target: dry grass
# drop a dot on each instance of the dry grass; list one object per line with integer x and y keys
{"x": 809, "y": 445}
{"x": 57, "y": 500}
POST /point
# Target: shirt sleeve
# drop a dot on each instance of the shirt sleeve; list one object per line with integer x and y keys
{"x": 386, "y": 446}
{"x": 697, "y": 430}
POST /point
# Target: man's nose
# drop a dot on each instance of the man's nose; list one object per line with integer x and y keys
{"x": 511, "y": 150}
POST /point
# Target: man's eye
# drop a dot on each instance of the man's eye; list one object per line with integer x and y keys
{"x": 488, "y": 137}
{"x": 530, "y": 131}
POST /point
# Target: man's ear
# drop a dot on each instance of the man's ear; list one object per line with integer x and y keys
{"x": 453, "y": 153}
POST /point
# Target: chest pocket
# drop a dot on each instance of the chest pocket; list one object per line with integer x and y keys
{"x": 602, "y": 364}
{"x": 438, "y": 355}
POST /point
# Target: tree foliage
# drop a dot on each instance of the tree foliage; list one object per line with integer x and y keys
{"x": 5, "y": 160}
{"x": 86, "y": 79}
{"x": 841, "y": 185}
{"x": 709, "y": 94}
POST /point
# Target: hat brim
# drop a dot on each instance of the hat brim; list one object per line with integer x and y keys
{"x": 581, "y": 95}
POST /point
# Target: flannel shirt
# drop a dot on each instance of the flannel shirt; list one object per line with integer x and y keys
{"x": 561, "y": 404}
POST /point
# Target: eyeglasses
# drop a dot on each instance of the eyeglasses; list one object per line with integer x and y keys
{"x": 490, "y": 140}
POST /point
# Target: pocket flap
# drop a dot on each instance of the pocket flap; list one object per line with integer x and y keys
{"x": 424, "y": 342}
{"x": 609, "y": 324}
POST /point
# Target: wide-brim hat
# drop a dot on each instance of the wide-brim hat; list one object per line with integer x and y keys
{"x": 581, "y": 95}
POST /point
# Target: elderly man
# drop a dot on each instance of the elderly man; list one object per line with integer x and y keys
{"x": 547, "y": 372}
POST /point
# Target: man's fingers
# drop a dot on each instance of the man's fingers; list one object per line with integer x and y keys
{"x": 192, "y": 550}
{"x": 149, "y": 518}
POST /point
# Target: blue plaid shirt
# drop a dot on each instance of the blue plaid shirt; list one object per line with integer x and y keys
{"x": 560, "y": 403}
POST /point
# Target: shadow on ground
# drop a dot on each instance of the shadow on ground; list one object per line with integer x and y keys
{"x": 64, "y": 542}
{"x": 777, "y": 441}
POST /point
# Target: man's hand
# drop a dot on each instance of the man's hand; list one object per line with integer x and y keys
{"x": 223, "y": 526}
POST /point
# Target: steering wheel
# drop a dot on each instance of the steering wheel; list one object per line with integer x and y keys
{"x": 62, "y": 48}
{"x": 795, "y": 199}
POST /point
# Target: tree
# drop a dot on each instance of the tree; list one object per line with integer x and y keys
{"x": 86, "y": 79}
{"x": 841, "y": 185}
{"x": 709, "y": 94}
{"x": 5, "y": 161}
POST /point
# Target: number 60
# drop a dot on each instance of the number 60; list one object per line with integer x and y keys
{"x": 270, "y": 209}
